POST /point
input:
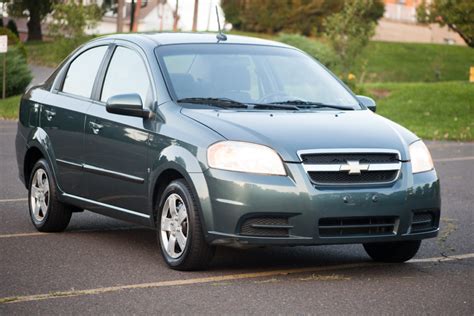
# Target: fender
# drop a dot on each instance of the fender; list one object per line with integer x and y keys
{"x": 39, "y": 139}
{"x": 179, "y": 159}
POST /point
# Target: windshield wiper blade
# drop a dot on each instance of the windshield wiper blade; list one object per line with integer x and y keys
{"x": 265, "y": 106}
{"x": 310, "y": 104}
{"x": 220, "y": 102}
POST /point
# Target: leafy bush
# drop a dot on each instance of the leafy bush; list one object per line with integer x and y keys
{"x": 18, "y": 74}
{"x": 50, "y": 54}
{"x": 317, "y": 49}
{"x": 13, "y": 40}
{"x": 71, "y": 19}
{"x": 349, "y": 31}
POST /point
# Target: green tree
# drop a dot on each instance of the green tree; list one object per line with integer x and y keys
{"x": 293, "y": 16}
{"x": 273, "y": 16}
{"x": 458, "y": 15}
{"x": 71, "y": 19}
{"x": 35, "y": 10}
{"x": 350, "y": 30}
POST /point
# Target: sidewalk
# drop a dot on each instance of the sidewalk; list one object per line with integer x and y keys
{"x": 40, "y": 74}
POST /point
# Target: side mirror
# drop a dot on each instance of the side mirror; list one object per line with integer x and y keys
{"x": 127, "y": 104}
{"x": 368, "y": 102}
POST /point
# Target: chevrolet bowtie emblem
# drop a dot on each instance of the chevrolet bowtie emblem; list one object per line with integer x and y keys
{"x": 354, "y": 167}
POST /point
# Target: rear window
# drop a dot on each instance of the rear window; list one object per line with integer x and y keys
{"x": 82, "y": 72}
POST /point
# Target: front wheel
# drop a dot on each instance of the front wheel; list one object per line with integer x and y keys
{"x": 399, "y": 251}
{"x": 179, "y": 229}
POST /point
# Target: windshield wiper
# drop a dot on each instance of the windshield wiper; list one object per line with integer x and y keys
{"x": 267, "y": 106}
{"x": 310, "y": 104}
{"x": 219, "y": 102}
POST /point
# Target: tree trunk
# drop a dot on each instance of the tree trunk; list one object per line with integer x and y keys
{"x": 34, "y": 27}
{"x": 469, "y": 41}
{"x": 195, "y": 17}
{"x": 136, "y": 18}
{"x": 120, "y": 16}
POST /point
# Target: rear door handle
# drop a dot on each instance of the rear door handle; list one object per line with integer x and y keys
{"x": 49, "y": 114}
{"x": 95, "y": 127}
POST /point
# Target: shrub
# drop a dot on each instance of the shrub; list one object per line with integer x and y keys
{"x": 11, "y": 25}
{"x": 13, "y": 40}
{"x": 349, "y": 31}
{"x": 18, "y": 74}
{"x": 317, "y": 49}
{"x": 70, "y": 19}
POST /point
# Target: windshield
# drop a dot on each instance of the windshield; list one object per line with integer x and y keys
{"x": 250, "y": 74}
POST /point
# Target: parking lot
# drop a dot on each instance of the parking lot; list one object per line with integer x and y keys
{"x": 102, "y": 265}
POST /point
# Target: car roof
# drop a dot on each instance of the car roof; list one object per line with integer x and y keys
{"x": 171, "y": 38}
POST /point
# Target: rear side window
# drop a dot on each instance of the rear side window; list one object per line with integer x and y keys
{"x": 126, "y": 74}
{"x": 82, "y": 72}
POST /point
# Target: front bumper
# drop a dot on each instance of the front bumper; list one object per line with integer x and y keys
{"x": 233, "y": 197}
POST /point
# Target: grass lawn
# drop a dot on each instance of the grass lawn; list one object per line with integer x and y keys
{"x": 440, "y": 111}
{"x": 9, "y": 107}
{"x": 407, "y": 62}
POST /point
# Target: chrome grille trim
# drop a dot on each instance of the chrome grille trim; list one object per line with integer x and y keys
{"x": 337, "y": 167}
{"x": 342, "y": 168}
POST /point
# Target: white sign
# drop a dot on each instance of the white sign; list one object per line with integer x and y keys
{"x": 3, "y": 44}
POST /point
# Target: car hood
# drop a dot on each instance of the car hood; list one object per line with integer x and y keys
{"x": 289, "y": 132}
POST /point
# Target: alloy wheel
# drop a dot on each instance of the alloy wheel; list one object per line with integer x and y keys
{"x": 174, "y": 226}
{"x": 39, "y": 195}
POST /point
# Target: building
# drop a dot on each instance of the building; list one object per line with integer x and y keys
{"x": 158, "y": 15}
{"x": 399, "y": 24}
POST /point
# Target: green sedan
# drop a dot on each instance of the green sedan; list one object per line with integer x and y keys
{"x": 222, "y": 141}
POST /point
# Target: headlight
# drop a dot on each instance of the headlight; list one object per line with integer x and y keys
{"x": 245, "y": 157}
{"x": 420, "y": 157}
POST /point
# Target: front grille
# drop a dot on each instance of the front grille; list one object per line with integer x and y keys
{"x": 266, "y": 226}
{"x": 336, "y": 158}
{"x": 351, "y": 167}
{"x": 343, "y": 177}
{"x": 357, "y": 226}
{"x": 423, "y": 221}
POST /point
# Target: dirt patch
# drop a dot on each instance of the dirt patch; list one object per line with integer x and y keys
{"x": 380, "y": 93}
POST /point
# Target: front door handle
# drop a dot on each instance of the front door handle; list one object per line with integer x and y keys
{"x": 95, "y": 127}
{"x": 49, "y": 114}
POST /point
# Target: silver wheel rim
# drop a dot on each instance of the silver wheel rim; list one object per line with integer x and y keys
{"x": 39, "y": 195}
{"x": 174, "y": 226}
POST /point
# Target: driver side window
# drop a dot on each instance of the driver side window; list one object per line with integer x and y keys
{"x": 126, "y": 74}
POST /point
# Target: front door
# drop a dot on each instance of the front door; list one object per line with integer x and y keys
{"x": 115, "y": 159}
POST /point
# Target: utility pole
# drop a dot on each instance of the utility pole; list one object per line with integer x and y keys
{"x": 176, "y": 17}
{"x": 136, "y": 15}
{"x": 195, "y": 17}
{"x": 120, "y": 5}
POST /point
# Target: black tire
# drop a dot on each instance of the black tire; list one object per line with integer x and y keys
{"x": 399, "y": 251}
{"x": 197, "y": 253}
{"x": 57, "y": 215}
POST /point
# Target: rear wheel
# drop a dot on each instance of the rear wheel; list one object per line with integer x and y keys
{"x": 399, "y": 251}
{"x": 179, "y": 229}
{"x": 46, "y": 212}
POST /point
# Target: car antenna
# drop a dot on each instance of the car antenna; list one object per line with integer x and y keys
{"x": 220, "y": 36}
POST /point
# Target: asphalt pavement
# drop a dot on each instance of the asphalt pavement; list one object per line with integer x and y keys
{"x": 105, "y": 266}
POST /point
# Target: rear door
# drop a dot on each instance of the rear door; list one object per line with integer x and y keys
{"x": 63, "y": 118}
{"x": 115, "y": 161}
